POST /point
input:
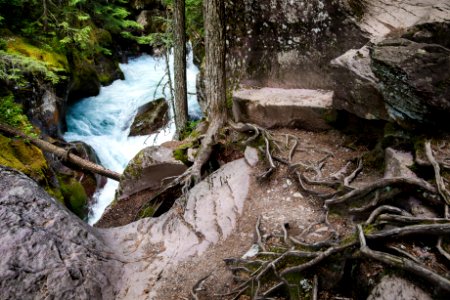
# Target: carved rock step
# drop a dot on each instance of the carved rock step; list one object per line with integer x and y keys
{"x": 275, "y": 107}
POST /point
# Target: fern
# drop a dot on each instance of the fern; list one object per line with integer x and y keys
{"x": 14, "y": 68}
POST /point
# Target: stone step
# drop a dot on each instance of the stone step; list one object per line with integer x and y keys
{"x": 276, "y": 107}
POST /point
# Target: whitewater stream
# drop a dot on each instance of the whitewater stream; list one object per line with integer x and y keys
{"x": 104, "y": 121}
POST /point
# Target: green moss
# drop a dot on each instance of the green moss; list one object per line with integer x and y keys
{"x": 74, "y": 195}
{"x": 24, "y": 157}
{"x": 147, "y": 212}
{"x": 54, "y": 61}
{"x": 180, "y": 153}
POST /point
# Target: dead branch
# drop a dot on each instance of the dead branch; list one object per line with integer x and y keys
{"x": 437, "y": 173}
{"x": 62, "y": 153}
{"x": 403, "y": 263}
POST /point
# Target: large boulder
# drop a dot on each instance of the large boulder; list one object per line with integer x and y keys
{"x": 144, "y": 177}
{"x": 150, "y": 117}
{"x": 148, "y": 169}
{"x": 414, "y": 81}
{"x": 274, "y": 107}
{"x": 357, "y": 86}
{"x": 48, "y": 253}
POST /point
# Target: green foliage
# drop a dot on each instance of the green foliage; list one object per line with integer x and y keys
{"x": 11, "y": 113}
{"x": 14, "y": 67}
{"x": 190, "y": 129}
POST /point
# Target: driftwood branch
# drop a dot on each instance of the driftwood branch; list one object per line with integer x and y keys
{"x": 62, "y": 153}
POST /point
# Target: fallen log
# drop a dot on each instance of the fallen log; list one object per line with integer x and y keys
{"x": 62, "y": 153}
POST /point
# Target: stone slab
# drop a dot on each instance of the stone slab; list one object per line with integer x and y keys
{"x": 276, "y": 107}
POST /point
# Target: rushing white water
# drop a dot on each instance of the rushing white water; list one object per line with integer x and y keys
{"x": 104, "y": 121}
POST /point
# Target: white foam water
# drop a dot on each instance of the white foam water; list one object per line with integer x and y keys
{"x": 104, "y": 121}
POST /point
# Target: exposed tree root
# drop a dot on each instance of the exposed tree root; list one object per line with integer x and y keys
{"x": 388, "y": 183}
{"x": 403, "y": 263}
{"x": 271, "y": 269}
{"x": 437, "y": 173}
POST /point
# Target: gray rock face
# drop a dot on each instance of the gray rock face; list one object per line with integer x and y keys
{"x": 212, "y": 210}
{"x": 284, "y": 43}
{"x": 415, "y": 81}
{"x": 150, "y": 117}
{"x": 274, "y": 107}
{"x": 397, "y": 288}
{"x": 47, "y": 253}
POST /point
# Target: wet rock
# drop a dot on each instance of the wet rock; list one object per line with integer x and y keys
{"x": 48, "y": 253}
{"x": 357, "y": 86}
{"x": 397, "y": 288}
{"x": 414, "y": 80}
{"x": 273, "y": 107}
{"x": 398, "y": 163}
{"x": 212, "y": 210}
{"x": 251, "y": 156}
{"x": 150, "y": 117}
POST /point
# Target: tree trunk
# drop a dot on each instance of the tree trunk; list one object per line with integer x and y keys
{"x": 181, "y": 109}
{"x": 62, "y": 153}
{"x": 215, "y": 84}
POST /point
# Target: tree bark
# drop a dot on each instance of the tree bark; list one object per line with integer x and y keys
{"x": 62, "y": 153}
{"x": 215, "y": 82}
{"x": 181, "y": 108}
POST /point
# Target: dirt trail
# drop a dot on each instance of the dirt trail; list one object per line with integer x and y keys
{"x": 279, "y": 202}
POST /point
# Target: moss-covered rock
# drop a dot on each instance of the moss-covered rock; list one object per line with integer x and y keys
{"x": 22, "y": 156}
{"x": 74, "y": 195}
{"x": 55, "y": 61}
